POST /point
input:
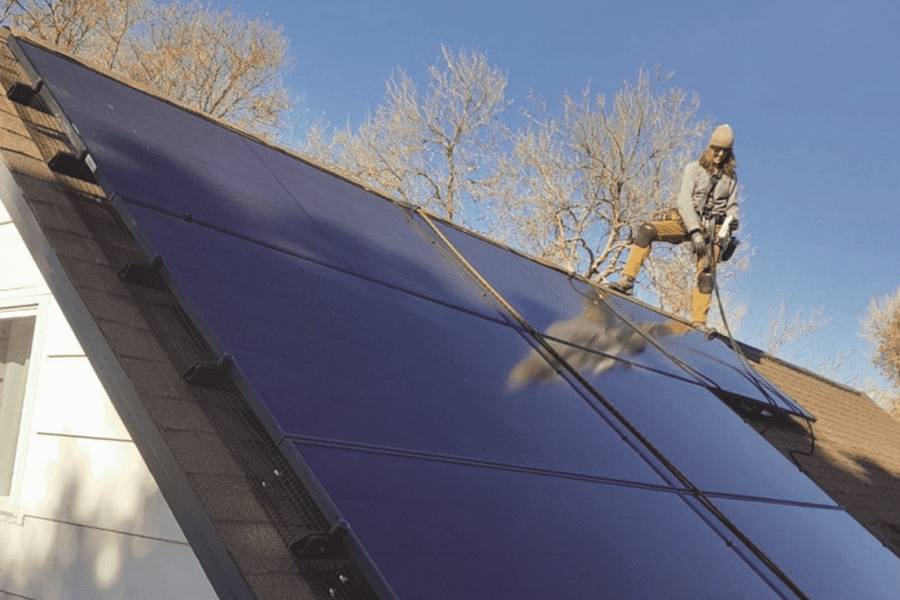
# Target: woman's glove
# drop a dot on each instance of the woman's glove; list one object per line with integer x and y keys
{"x": 698, "y": 243}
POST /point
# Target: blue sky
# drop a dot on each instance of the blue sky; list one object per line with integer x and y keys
{"x": 811, "y": 89}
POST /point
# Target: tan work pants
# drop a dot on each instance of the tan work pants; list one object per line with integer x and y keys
{"x": 672, "y": 231}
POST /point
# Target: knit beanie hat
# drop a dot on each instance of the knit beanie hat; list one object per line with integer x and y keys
{"x": 722, "y": 136}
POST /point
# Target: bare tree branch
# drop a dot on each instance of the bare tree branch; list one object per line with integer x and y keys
{"x": 438, "y": 148}
{"x": 785, "y": 326}
{"x": 881, "y": 326}
{"x": 216, "y": 61}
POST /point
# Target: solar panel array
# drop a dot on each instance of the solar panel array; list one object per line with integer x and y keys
{"x": 488, "y": 426}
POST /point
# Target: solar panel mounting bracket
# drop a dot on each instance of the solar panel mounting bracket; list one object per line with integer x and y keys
{"x": 22, "y": 93}
{"x": 209, "y": 375}
{"x": 143, "y": 274}
{"x": 322, "y": 545}
{"x": 79, "y": 166}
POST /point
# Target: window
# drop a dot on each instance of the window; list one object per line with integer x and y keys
{"x": 17, "y": 358}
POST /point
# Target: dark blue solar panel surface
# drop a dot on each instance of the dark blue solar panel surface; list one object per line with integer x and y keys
{"x": 528, "y": 537}
{"x": 402, "y": 372}
{"x": 465, "y": 464}
{"x": 159, "y": 155}
{"x": 705, "y": 439}
{"x": 526, "y": 286}
{"x": 826, "y": 552}
{"x": 717, "y": 360}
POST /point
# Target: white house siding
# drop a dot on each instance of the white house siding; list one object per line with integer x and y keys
{"x": 90, "y": 522}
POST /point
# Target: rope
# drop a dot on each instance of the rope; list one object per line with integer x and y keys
{"x": 760, "y": 383}
{"x": 757, "y": 381}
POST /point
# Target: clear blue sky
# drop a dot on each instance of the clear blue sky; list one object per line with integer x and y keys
{"x": 810, "y": 87}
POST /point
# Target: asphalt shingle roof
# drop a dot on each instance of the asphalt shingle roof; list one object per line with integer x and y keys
{"x": 856, "y": 454}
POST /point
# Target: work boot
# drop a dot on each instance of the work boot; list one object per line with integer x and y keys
{"x": 625, "y": 285}
{"x": 706, "y": 330}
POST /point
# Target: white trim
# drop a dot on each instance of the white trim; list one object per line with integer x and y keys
{"x": 11, "y": 306}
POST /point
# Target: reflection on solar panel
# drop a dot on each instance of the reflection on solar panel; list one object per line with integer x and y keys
{"x": 379, "y": 378}
{"x": 549, "y": 443}
{"x": 548, "y": 298}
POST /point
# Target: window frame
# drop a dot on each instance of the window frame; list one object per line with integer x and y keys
{"x": 12, "y": 306}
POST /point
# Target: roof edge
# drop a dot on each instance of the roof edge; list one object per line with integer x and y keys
{"x": 223, "y": 574}
{"x": 762, "y": 354}
{"x": 145, "y": 89}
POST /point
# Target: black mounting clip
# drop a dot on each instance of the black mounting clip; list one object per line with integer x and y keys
{"x": 143, "y": 274}
{"x": 322, "y": 546}
{"x": 22, "y": 93}
{"x": 80, "y": 166}
{"x": 209, "y": 375}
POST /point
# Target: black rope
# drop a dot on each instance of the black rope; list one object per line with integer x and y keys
{"x": 754, "y": 378}
{"x": 812, "y": 448}
{"x": 760, "y": 383}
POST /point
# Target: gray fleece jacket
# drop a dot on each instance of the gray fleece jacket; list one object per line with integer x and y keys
{"x": 695, "y": 200}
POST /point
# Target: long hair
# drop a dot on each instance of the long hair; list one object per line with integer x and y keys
{"x": 708, "y": 162}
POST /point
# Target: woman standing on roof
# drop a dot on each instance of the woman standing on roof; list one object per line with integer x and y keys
{"x": 706, "y": 201}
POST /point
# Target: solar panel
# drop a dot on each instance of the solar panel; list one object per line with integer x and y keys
{"x": 824, "y": 551}
{"x": 528, "y": 288}
{"x": 717, "y": 360}
{"x": 468, "y": 462}
{"x": 705, "y": 439}
{"x": 449, "y": 531}
{"x": 160, "y": 156}
{"x": 427, "y": 429}
{"x": 336, "y": 356}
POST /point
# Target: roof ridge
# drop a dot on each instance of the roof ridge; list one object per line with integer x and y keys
{"x": 805, "y": 371}
{"x": 6, "y": 32}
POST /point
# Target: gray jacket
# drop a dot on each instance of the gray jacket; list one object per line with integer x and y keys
{"x": 695, "y": 199}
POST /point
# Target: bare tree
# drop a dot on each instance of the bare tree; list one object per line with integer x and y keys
{"x": 788, "y": 332}
{"x": 219, "y": 62}
{"x": 587, "y": 177}
{"x": 69, "y": 25}
{"x": 568, "y": 188}
{"x": 222, "y": 63}
{"x": 785, "y": 326}
{"x": 881, "y": 326}
{"x": 439, "y": 148}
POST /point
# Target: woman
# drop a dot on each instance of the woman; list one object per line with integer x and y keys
{"x": 706, "y": 200}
